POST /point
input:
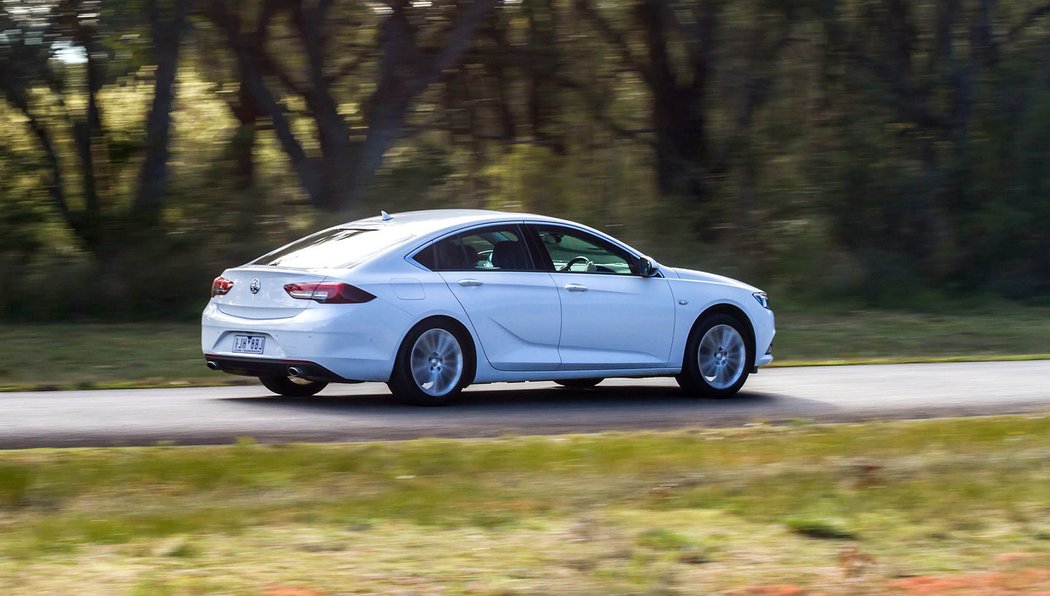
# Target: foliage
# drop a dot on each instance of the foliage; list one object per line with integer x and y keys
{"x": 864, "y": 148}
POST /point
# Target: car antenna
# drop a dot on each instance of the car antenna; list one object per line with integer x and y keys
{"x": 386, "y": 216}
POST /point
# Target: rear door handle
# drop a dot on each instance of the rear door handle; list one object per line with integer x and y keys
{"x": 576, "y": 288}
{"x": 470, "y": 283}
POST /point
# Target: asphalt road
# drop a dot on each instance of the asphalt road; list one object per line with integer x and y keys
{"x": 366, "y": 412}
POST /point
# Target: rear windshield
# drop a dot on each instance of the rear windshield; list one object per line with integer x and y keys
{"x": 340, "y": 247}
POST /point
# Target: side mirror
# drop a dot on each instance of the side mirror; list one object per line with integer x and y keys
{"x": 646, "y": 268}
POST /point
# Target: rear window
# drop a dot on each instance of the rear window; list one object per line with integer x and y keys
{"x": 340, "y": 247}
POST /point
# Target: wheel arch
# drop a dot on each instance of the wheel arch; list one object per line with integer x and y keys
{"x": 725, "y": 308}
{"x": 465, "y": 335}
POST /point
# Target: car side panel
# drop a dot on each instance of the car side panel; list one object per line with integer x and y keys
{"x": 700, "y": 296}
{"x": 516, "y": 314}
{"x": 614, "y": 321}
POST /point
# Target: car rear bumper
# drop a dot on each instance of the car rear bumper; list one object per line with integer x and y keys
{"x": 357, "y": 343}
{"x": 270, "y": 367}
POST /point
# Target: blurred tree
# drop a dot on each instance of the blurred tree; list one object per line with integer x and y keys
{"x": 24, "y": 57}
{"x": 544, "y": 102}
{"x": 55, "y": 59}
{"x": 680, "y": 39}
{"x": 754, "y": 75}
{"x": 927, "y": 67}
{"x": 868, "y": 143}
{"x": 166, "y": 25}
{"x": 403, "y": 59}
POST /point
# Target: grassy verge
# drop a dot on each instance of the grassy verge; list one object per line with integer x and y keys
{"x": 1004, "y": 332}
{"x": 845, "y": 508}
{"x": 103, "y": 355}
{"x": 157, "y": 354}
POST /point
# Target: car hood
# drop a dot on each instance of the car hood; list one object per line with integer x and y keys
{"x": 693, "y": 275}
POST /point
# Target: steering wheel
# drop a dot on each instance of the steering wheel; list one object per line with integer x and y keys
{"x": 573, "y": 261}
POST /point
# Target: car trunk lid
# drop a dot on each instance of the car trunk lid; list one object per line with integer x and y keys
{"x": 258, "y": 292}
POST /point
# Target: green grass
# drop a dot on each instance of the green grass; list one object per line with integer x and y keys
{"x": 849, "y": 336}
{"x": 816, "y": 527}
{"x": 102, "y": 355}
{"x": 639, "y": 512}
{"x": 128, "y": 355}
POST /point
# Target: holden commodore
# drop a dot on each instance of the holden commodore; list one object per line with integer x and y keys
{"x": 432, "y": 301}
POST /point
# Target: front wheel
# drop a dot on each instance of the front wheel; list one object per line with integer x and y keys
{"x": 292, "y": 386}
{"x": 717, "y": 358}
{"x": 432, "y": 365}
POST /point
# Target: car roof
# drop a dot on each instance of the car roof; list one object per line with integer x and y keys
{"x": 421, "y": 227}
{"x": 434, "y": 220}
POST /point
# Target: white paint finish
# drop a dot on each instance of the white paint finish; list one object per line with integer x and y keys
{"x": 407, "y": 288}
{"x": 614, "y": 321}
{"x": 271, "y": 301}
{"x": 602, "y": 323}
{"x": 703, "y": 294}
{"x": 516, "y": 316}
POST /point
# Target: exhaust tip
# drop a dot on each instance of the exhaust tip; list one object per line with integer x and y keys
{"x": 295, "y": 371}
{"x": 213, "y": 365}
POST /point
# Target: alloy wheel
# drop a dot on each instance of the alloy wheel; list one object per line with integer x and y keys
{"x": 436, "y": 362}
{"x": 721, "y": 356}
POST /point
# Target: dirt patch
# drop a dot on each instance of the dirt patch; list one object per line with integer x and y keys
{"x": 1030, "y": 581}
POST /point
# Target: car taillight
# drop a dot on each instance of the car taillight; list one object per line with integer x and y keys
{"x": 221, "y": 286}
{"x": 328, "y": 292}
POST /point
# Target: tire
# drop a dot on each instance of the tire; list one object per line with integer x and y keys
{"x": 718, "y": 357}
{"x": 292, "y": 386}
{"x": 579, "y": 383}
{"x": 435, "y": 362}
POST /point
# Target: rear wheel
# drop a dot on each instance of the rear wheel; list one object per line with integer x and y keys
{"x": 717, "y": 358}
{"x": 292, "y": 386}
{"x": 434, "y": 364}
{"x": 578, "y": 383}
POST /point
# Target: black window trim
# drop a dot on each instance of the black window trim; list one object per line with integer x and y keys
{"x": 537, "y": 246}
{"x": 517, "y": 226}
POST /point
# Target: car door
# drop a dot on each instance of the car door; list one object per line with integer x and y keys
{"x": 610, "y": 317}
{"x": 513, "y": 308}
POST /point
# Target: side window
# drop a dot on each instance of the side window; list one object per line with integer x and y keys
{"x": 497, "y": 248}
{"x": 579, "y": 252}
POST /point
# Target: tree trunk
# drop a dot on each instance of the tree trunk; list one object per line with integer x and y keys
{"x": 404, "y": 73}
{"x": 343, "y": 174}
{"x": 497, "y": 69}
{"x": 679, "y": 107}
{"x": 250, "y": 53}
{"x": 88, "y": 133}
{"x": 542, "y": 68}
{"x": 384, "y": 128}
{"x": 167, "y": 40}
{"x": 242, "y": 145}
{"x": 55, "y": 189}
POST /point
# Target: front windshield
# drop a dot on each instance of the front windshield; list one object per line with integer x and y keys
{"x": 339, "y": 247}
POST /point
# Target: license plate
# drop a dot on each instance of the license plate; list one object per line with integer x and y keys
{"x": 248, "y": 344}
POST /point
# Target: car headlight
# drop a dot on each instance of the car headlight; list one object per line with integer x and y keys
{"x": 762, "y": 299}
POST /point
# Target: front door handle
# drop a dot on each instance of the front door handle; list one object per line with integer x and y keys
{"x": 470, "y": 283}
{"x": 576, "y": 288}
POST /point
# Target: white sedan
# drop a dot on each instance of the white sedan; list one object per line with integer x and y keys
{"x": 432, "y": 301}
